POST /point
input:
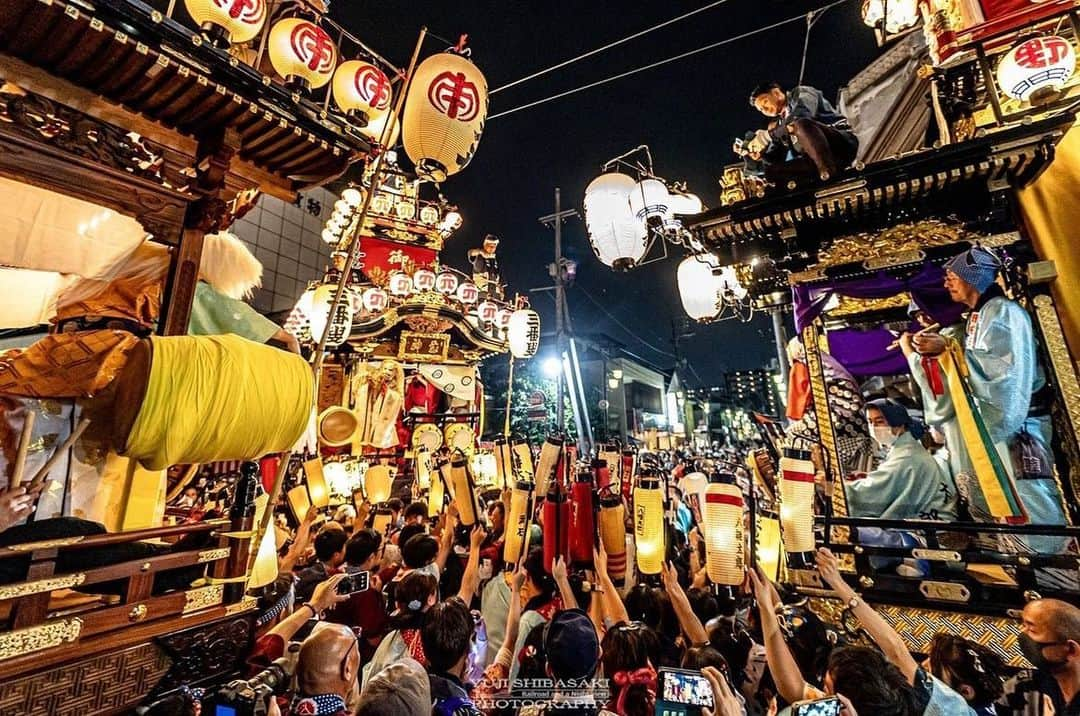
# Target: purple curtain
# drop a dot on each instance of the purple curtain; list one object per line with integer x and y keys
{"x": 865, "y": 353}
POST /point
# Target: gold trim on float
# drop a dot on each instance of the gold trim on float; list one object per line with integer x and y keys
{"x": 244, "y": 605}
{"x": 246, "y": 534}
{"x": 66, "y": 581}
{"x": 203, "y": 597}
{"x": 945, "y": 591}
{"x": 47, "y": 544}
{"x": 226, "y": 580}
{"x": 38, "y": 638}
{"x": 212, "y": 555}
{"x": 936, "y": 555}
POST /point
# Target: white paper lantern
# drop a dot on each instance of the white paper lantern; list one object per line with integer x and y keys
{"x": 340, "y": 325}
{"x": 797, "y": 503}
{"x": 375, "y": 128}
{"x": 446, "y": 283}
{"x": 523, "y": 333}
{"x": 468, "y": 293}
{"x": 1036, "y": 68}
{"x": 502, "y": 318}
{"x": 429, "y": 215}
{"x": 699, "y": 289}
{"x": 400, "y": 283}
{"x": 487, "y": 311}
{"x": 302, "y": 52}
{"x": 381, "y": 204}
{"x": 618, "y": 238}
{"x": 723, "y": 527}
{"x": 374, "y": 300}
{"x": 686, "y": 204}
{"x": 650, "y": 198}
{"x": 362, "y": 87}
{"x": 898, "y": 14}
{"x": 352, "y": 197}
{"x": 238, "y": 20}
{"x": 424, "y": 280}
{"x": 444, "y": 115}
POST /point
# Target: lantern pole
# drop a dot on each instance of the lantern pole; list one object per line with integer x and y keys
{"x": 556, "y": 272}
{"x": 358, "y": 219}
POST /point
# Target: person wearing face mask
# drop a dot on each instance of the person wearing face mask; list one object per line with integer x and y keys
{"x": 1050, "y": 640}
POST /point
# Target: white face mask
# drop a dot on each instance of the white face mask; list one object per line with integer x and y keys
{"x": 883, "y": 434}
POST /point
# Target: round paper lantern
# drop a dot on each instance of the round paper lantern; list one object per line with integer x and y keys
{"x": 405, "y": 209}
{"x": 377, "y": 482}
{"x": 1036, "y": 69}
{"x": 444, "y": 115}
{"x": 797, "y": 501}
{"x": 618, "y": 238}
{"x": 330, "y": 236}
{"x": 400, "y": 283}
{"x": 468, "y": 293}
{"x": 429, "y": 215}
{"x": 704, "y": 287}
{"x": 523, "y": 333}
{"x": 446, "y": 283}
{"x": 337, "y": 327}
{"x": 381, "y": 204}
{"x": 502, "y": 318}
{"x": 693, "y": 487}
{"x": 650, "y": 198}
{"x": 487, "y": 311}
{"x": 649, "y": 524}
{"x": 897, "y": 14}
{"x": 375, "y": 128}
{"x": 723, "y": 515}
{"x": 424, "y": 280}
{"x": 302, "y": 53}
{"x": 234, "y": 21}
{"x": 686, "y": 204}
{"x": 374, "y": 300}
{"x": 352, "y": 197}
{"x": 362, "y": 90}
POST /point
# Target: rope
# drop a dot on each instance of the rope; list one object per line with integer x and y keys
{"x": 608, "y": 46}
{"x": 653, "y": 65}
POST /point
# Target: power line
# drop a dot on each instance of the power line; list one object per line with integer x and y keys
{"x": 608, "y": 46}
{"x": 680, "y": 56}
{"x": 623, "y": 326}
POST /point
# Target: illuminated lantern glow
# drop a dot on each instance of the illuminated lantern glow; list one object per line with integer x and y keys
{"x": 487, "y": 311}
{"x": 523, "y": 333}
{"x": 504, "y": 463}
{"x": 548, "y": 461}
{"x": 582, "y": 525}
{"x": 686, "y": 204}
{"x": 447, "y": 283}
{"x": 649, "y": 524}
{"x": 650, "y": 199}
{"x": 724, "y": 543}
{"x": 423, "y": 468}
{"x": 376, "y": 128}
{"x": 316, "y": 483}
{"x": 429, "y": 215}
{"x": 374, "y": 300}
{"x": 352, "y": 197}
{"x": 302, "y": 53}
{"x": 556, "y": 525}
{"x": 484, "y": 468}
{"x": 450, "y": 223}
{"x": 464, "y": 490}
{"x": 617, "y": 237}
{"x": 337, "y": 478}
{"x": 705, "y": 287}
{"x": 339, "y": 326}
{"x": 361, "y": 90}
{"x": 444, "y": 115}
{"x": 627, "y": 468}
{"x": 517, "y": 523}
{"x": 693, "y": 487}
{"x": 400, "y": 283}
{"x": 502, "y": 318}
{"x": 436, "y": 495}
{"x": 424, "y": 280}
{"x": 523, "y": 459}
{"x": 797, "y": 501}
{"x": 468, "y": 293}
{"x": 383, "y": 517}
{"x": 405, "y": 209}
{"x": 381, "y": 204}
{"x": 1036, "y": 69}
{"x": 897, "y": 14}
{"x": 265, "y": 569}
{"x": 330, "y": 236}
{"x": 613, "y": 535}
{"x": 377, "y": 482}
{"x": 234, "y": 21}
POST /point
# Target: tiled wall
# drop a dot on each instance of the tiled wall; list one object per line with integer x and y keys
{"x": 286, "y": 238}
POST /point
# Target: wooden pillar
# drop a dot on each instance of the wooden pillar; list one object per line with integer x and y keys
{"x": 207, "y": 214}
{"x": 242, "y": 522}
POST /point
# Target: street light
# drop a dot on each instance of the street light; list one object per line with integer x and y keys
{"x": 552, "y": 367}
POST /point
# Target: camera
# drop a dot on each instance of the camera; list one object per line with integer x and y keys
{"x": 354, "y": 582}
{"x": 250, "y": 697}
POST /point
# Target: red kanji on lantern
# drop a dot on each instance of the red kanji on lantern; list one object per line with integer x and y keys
{"x": 1041, "y": 52}
{"x": 247, "y": 11}
{"x": 312, "y": 45}
{"x": 454, "y": 96}
{"x": 373, "y": 85}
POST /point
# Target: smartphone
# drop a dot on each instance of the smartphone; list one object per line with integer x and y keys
{"x": 354, "y": 582}
{"x": 682, "y": 693}
{"x": 828, "y": 706}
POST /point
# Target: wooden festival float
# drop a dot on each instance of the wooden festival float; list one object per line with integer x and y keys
{"x": 1005, "y": 102}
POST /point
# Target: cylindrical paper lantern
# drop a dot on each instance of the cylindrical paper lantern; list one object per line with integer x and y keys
{"x": 444, "y": 115}
{"x": 523, "y": 333}
{"x": 361, "y": 88}
{"x": 523, "y": 459}
{"x": 627, "y": 469}
{"x": 613, "y": 534}
{"x": 377, "y": 482}
{"x": 436, "y": 495}
{"x": 464, "y": 494}
{"x": 724, "y": 534}
{"x": 504, "y": 463}
{"x": 618, "y": 238}
{"x": 549, "y": 460}
{"x": 302, "y": 53}
{"x": 693, "y": 488}
{"x": 423, "y": 468}
{"x": 383, "y": 518}
{"x": 649, "y": 524}
{"x": 556, "y": 524}
{"x": 797, "y": 501}
{"x": 235, "y": 21}
{"x": 582, "y": 524}
{"x": 340, "y": 325}
{"x": 517, "y": 522}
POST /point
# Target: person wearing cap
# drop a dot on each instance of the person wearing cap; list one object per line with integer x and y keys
{"x": 1009, "y": 389}
{"x": 485, "y": 266}
{"x": 401, "y": 689}
{"x": 573, "y": 655}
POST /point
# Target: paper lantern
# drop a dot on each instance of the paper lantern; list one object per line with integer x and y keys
{"x": 582, "y": 525}
{"x": 383, "y": 520}
{"x": 649, "y": 524}
{"x": 484, "y": 469}
{"x": 235, "y": 21}
{"x": 650, "y": 199}
{"x": 797, "y": 501}
{"x": 405, "y": 209}
{"x": 617, "y": 237}
{"x": 502, "y": 318}
{"x": 265, "y": 569}
{"x": 613, "y": 535}
{"x": 504, "y": 463}
{"x": 423, "y": 468}
{"x": 468, "y": 293}
{"x": 429, "y": 215}
{"x": 556, "y": 525}
{"x": 517, "y": 523}
{"x": 361, "y": 90}
{"x": 339, "y": 326}
{"x": 685, "y": 204}
{"x": 375, "y": 130}
{"x": 897, "y": 14}
{"x": 316, "y": 483}
{"x": 444, "y": 115}
{"x": 705, "y": 287}
{"x": 693, "y": 487}
{"x": 374, "y": 300}
{"x": 464, "y": 490}
{"x": 627, "y": 468}
{"x": 302, "y": 53}
{"x": 337, "y": 478}
{"x": 400, "y": 283}
{"x": 436, "y": 495}
{"x": 523, "y": 333}
{"x": 352, "y": 197}
{"x": 1036, "y": 69}
{"x": 611, "y": 459}
{"x": 487, "y": 311}
{"x": 424, "y": 280}
{"x": 523, "y": 459}
{"x": 377, "y": 482}
{"x": 381, "y": 204}
{"x": 724, "y": 541}
{"x": 549, "y": 460}
{"x": 446, "y": 283}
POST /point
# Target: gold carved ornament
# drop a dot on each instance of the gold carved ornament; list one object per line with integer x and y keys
{"x": 212, "y": 555}
{"x": 67, "y": 581}
{"x": 203, "y": 597}
{"x": 901, "y": 238}
{"x": 37, "y": 638}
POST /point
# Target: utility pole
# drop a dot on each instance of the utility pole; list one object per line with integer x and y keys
{"x": 780, "y": 334}
{"x": 556, "y": 270}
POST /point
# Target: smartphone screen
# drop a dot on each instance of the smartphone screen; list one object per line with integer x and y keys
{"x": 690, "y": 688}
{"x": 828, "y": 706}
{"x": 354, "y": 582}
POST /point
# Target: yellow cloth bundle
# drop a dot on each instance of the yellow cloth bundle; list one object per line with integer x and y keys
{"x": 219, "y": 398}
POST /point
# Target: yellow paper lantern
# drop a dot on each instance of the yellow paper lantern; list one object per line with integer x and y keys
{"x": 649, "y": 524}
{"x": 436, "y": 495}
{"x": 523, "y": 333}
{"x": 797, "y": 501}
{"x": 234, "y": 21}
{"x": 723, "y": 516}
{"x": 523, "y": 459}
{"x": 377, "y": 482}
{"x": 444, "y": 115}
{"x": 302, "y": 53}
{"x": 504, "y": 463}
{"x": 613, "y": 535}
{"x": 265, "y": 569}
{"x": 362, "y": 90}
{"x": 423, "y": 468}
{"x": 374, "y": 131}
{"x": 316, "y": 483}
{"x": 381, "y": 523}
{"x": 464, "y": 492}
{"x": 549, "y": 460}
{"x": 517, "y": 523}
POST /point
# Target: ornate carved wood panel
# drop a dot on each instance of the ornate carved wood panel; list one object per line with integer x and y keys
{"x": 200, "y": 653}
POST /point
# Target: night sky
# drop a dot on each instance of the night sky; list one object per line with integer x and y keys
{"x": 687, "y": 111}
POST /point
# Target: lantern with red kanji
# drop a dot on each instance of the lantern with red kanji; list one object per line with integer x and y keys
{"x": 1036, "y": 69}
{"x": 444, "y": 115}
{"x": 468, "y": 293}
{"x": 302, "y": 53}
{"x": 487, "y": 311}
{"x": 374, "y": 300}
{"x": 228, "y": 20}
{"x": 362, "y": 90}
{"x": 446, "y": 283}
